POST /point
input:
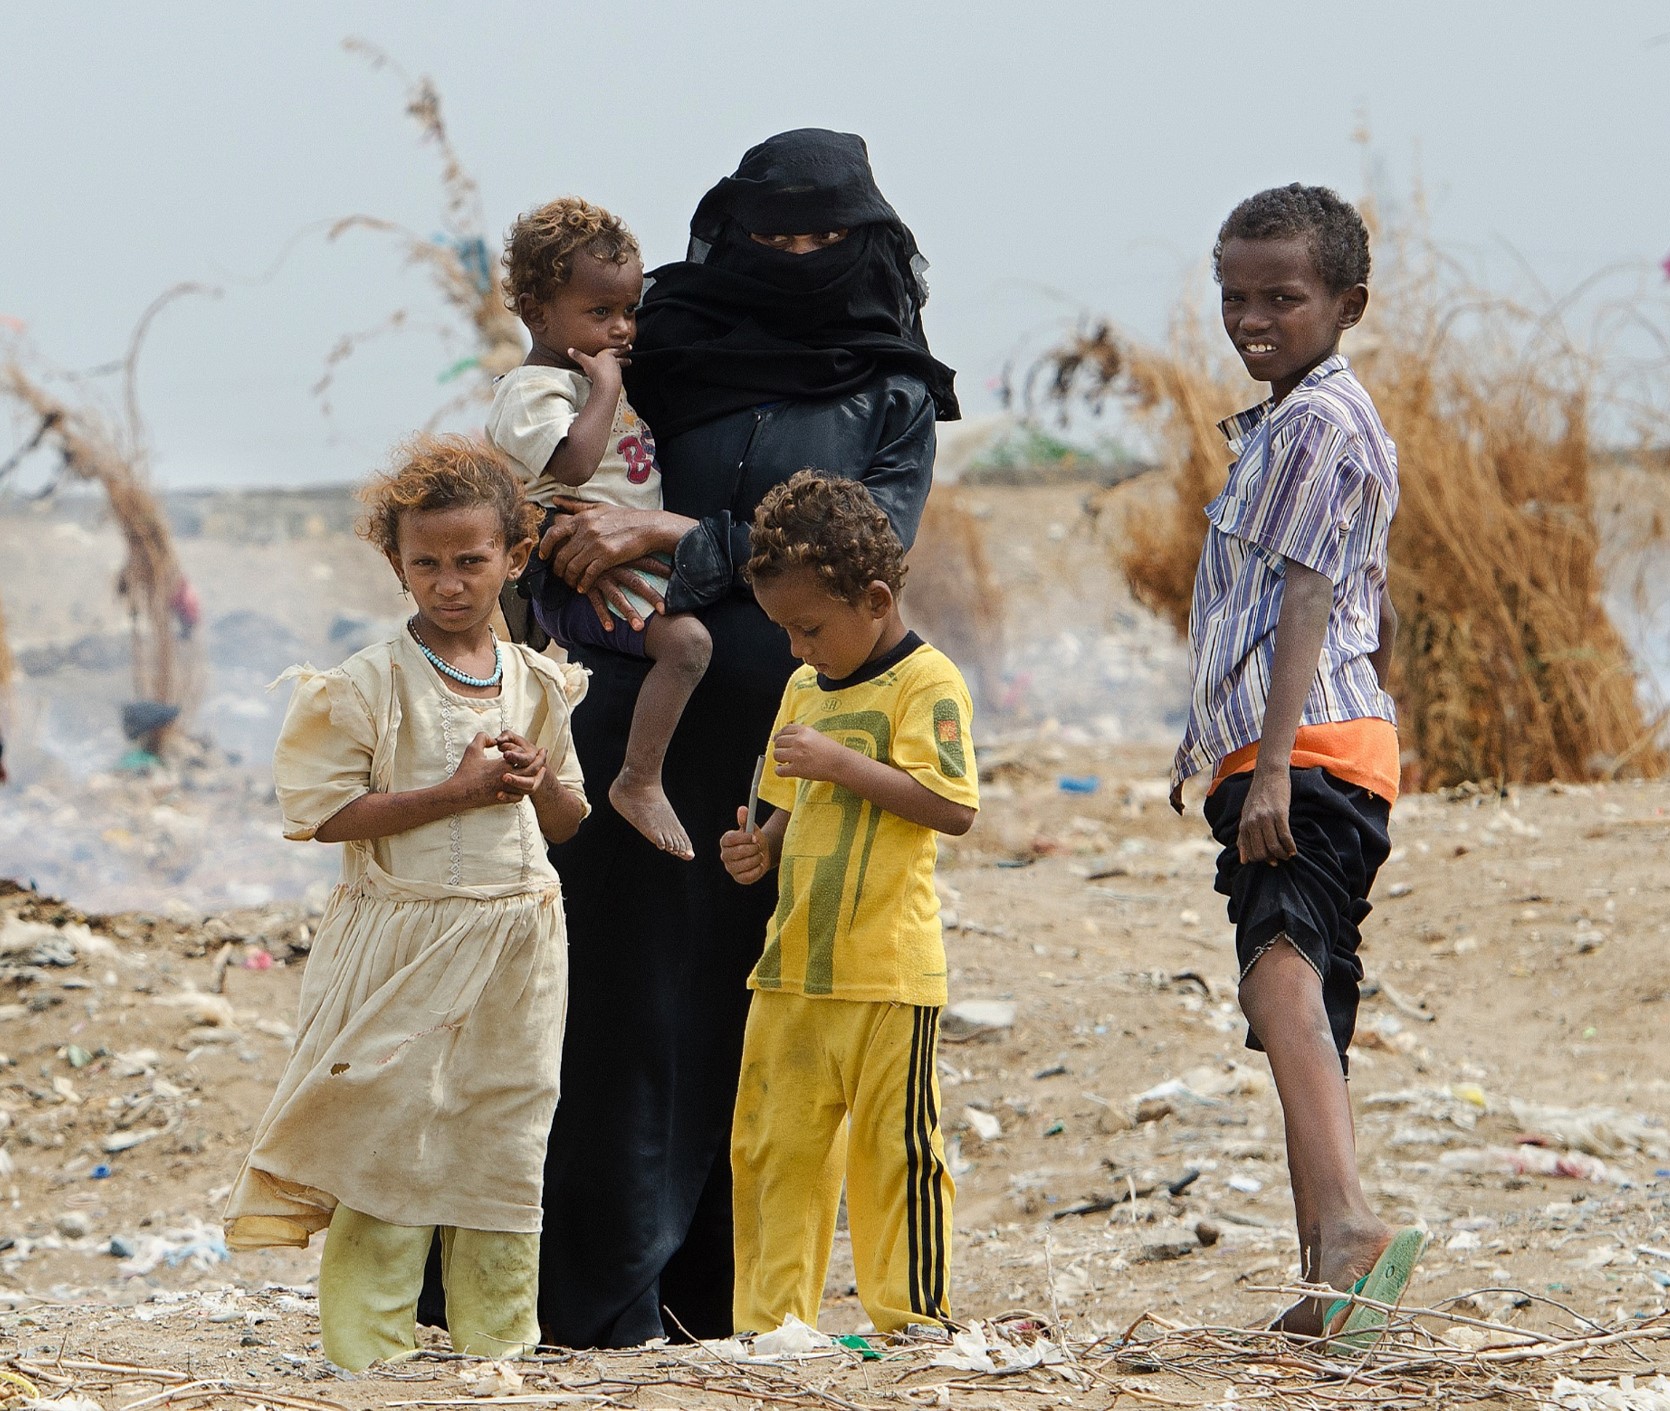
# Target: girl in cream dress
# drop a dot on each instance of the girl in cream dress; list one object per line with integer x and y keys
{"x": 420, "y": 1091}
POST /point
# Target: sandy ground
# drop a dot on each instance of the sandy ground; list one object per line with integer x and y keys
{"x": 1118, "y": 1153}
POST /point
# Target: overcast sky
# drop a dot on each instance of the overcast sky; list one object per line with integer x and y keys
{"x": 1051, "y": 158}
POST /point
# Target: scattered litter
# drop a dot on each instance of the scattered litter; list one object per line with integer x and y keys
{"x": 857, "y": 1342}
{"x": 1209, "y": 1083}
{"x": 491, "y": 1379}
{"x": 206, "y": 1010}
{"x": 1600, "y": 1131}
{"x": 196, "y": 1245}
{"x": 982, "y": 1347}
{"x": 1531, "y": 1161}
{"x": 983, "y": 1124}
{"x": 1079, "y": 783}
{"x": 974, "y": 1018}
{"x": 791, "y": 1340}
{"x": 1626, "y": 1394}
{"x": 1247, "y": 1185}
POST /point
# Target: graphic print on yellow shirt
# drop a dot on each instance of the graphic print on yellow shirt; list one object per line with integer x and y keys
{"x": 857, "y": 915}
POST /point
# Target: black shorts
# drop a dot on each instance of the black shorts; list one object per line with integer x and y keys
{"x": 1318, "y": 898}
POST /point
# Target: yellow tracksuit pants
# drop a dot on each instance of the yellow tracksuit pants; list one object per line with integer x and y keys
{"x": 829, "y": 1088}
{"x": 371, "y": 1273}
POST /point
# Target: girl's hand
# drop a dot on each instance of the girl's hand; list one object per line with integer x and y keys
{"x": 1265, "y": 835}
{"x": 526, "y": 770}
{"x": 803, "y": 753}
{"x": 478, "y": 782}
{"x": 744, "y": 851}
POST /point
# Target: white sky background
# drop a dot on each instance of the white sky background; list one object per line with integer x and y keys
{"x": 1051, "y": 158}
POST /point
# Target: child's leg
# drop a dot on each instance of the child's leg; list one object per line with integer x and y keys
{"x": 899, "y": 1191}
{"x": 788, "y": 1147}
{"x": 492, "y": 1291}
{"x": 369, "y": 1277}
{"x": 679, "y": 646}
{"x": 1339, "y": 1236}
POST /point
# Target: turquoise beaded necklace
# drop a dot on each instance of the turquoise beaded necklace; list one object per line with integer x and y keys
{"x": 447, "y": 669}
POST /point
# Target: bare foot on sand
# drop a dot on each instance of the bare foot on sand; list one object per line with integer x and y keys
{"x": 644, "y": 805}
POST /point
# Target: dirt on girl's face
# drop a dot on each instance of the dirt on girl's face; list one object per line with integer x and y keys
{"x": 454, "y": 562}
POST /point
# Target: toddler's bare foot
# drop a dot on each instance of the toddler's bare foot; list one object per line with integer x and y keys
{"x": 643, "y": 804}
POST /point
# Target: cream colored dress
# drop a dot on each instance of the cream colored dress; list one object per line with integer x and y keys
{"x": 424, "y": 1075}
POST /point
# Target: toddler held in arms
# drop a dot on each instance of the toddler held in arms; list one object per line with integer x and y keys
{"x": 574, "y": 276}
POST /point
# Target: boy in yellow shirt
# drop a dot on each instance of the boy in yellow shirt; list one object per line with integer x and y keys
{"x": 872, "y": 760}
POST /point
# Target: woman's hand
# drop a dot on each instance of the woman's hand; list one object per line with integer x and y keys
{"x": 595, "y": 538}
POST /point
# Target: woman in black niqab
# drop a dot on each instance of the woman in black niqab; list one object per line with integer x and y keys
{"x": 751, "y": 363}
{"x": 738, "y": 321}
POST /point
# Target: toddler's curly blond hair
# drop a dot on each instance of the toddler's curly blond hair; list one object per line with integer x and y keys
{"x": 540, "y": 248}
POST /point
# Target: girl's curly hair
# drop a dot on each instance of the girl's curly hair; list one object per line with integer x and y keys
{"x": 443, "y": 473}
{"x": 830, "y": 525}
{"x": 540, "y": 248}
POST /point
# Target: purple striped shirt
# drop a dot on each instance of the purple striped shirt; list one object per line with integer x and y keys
{"x": 1314, "y": 481}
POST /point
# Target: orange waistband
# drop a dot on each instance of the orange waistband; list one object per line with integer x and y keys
{"x": 1362, "y": 752}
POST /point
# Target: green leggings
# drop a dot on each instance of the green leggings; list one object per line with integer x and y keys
{"x": 371, "y": 1273}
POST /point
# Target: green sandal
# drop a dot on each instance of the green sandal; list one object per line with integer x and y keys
{"x": 1384, "y": 1283}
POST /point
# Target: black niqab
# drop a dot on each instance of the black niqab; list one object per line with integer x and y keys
{"x": 736, "y": 323}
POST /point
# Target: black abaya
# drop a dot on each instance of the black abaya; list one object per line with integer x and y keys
{"x": 637, "y": 1194}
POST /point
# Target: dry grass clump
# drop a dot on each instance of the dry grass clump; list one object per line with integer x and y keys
{"x": 463, "y": 264}
{"x": 109, "y": 451}
{"x": 1507, "y": 665}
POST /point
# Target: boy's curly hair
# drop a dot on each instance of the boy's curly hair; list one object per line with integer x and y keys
{"x": 443, "y": 473}
{"x": 1337, "y": 237}
{"x": 830, "y": 525}
{"x": 540, "y": 248}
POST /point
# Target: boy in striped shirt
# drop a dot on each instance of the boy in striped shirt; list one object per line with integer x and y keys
{"x": 1290, "y": 636}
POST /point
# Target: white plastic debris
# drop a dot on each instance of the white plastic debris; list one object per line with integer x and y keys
{"x": 491, "y": 1379}
{"x": 1600, "y": 1131}
{"x": 196, "y": 1244}
{"x": 981, "y": 1347}
{"x": 790, "y": 1340}
{"x": 983, "y": 1124}
{"x": 1531, "y": 1161}
{"x": 1626, "y": 1394}
{"x": 202, "y": 1008}
{"x": 977, "y": 1016}
{"x": 1209, "y": 1083}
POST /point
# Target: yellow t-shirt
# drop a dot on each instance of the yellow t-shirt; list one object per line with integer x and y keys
{"x": 857, "y": 915}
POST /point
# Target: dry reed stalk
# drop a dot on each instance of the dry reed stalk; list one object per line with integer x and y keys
{"x": 8, "y": 664}
{"x": 150, "y": 573}
{"x": 464, "y": 266}
{"x": 1507, "y": 666}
